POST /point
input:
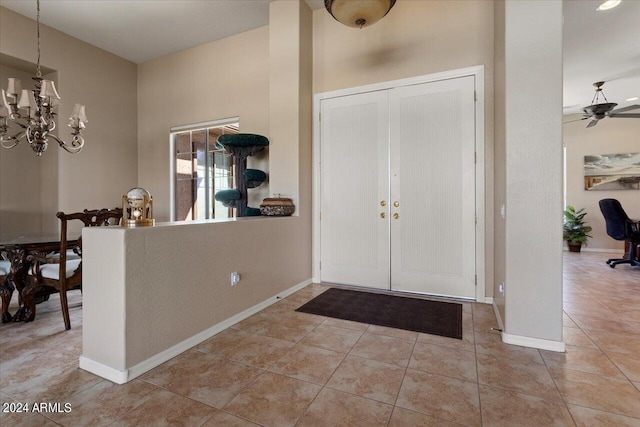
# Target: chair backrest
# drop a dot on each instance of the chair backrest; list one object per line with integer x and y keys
{"x": 90, "y": 218}
{"x": 616, "y": 218}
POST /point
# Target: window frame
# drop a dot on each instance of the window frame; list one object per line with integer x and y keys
{"x": 173, "y": 176}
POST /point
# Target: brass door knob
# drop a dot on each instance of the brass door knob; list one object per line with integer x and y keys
{"x": 396, "y": 204}
{"x": 383, "y": 203}
{"x": 383, "y": 215}
{"x": 396, "y": 215}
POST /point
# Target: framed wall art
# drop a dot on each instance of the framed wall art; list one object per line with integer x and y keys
{"x": 612, "y": 172}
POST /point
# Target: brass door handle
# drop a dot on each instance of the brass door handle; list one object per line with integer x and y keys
{"x": 396, "y": 204}
{"x": 383, "y": 215}
{"x": 383, "y": 203}
{"x": 396, "y": 215}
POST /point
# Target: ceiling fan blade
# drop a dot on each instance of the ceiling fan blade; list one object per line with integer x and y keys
{"x": 592, "y": 123}
{"x": 628, "y": 116}
{"x": 576, "y": 120}
{"x": 627, "y": 108}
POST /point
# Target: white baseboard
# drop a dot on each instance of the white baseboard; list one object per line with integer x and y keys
{"x": 119, "y": 376}
{"x": 488, "y": 300}
{"x": 538, "y": 343}
{"x": 498, "y": 317}
{"x": 601, "y": 250}
{"x": 110, "y": 373}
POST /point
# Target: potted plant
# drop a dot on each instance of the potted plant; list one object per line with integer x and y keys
{"x": 575, "y": 228}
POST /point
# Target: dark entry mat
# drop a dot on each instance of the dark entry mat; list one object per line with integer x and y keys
{"x": 412, "y": 314}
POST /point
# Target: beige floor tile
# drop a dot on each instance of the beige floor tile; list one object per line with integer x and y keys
{"x": 443, "y": 397}
{"x": 593, "y": 309}
{"x": 392, "y": 332}
{"x": 346, "y": 324}
{"x": 256, "y": 323}
{"x": 529, "y": 378}
{"x": 332, "y": 338}
{"x": 25, "y": 420}
{"x": 575, "y": 336}
{"x": 591, "y": 360}
{"x": 568, "y": 322}
{"x": 444, "y": 361}
{"x": 629, "y": 364}
{"x": 167, "y": 409}
{"x": 507, "y": 408}
{"x": 384, "y": 349}
{"x": 281, "y": 308}
{"x": 303, "y": 317}
{"x": 288, "y": 329}
{"x": 223, "y": 341}
{"x": 203, "y": 377}
{"x": 596, "y": 392}
{"x": 104, "y": 403}
{"x": 628, "y": 343}
{"x": 491, "y": 343}
{"x": 259, "y": 351}
{"x": 222, "y": 419}
{"x": 273, "y": 400}
{"x": 484, "y": 317}
{"x": 308, "y": 363}
{"x": 586, "y": 417}
{"x": 466, "y": 343}
{"x": 335, "y": 408}
{"x": 52, "y": 376}
{"x": 368, "y": 378}
{"x": 591, "y": 323}
{"x": 406, "y": 418}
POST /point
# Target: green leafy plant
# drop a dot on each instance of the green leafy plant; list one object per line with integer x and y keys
{"x": 575, "y": 229}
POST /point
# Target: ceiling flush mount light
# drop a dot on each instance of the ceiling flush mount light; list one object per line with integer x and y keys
{"x": 34, "y": 112}
{"x": 358, "y": 13}
{"x": 609, "y": 4}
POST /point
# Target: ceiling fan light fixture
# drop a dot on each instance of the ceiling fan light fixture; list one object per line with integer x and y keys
{"x": 358, "y": 13}
{"x": 609, "y": 4}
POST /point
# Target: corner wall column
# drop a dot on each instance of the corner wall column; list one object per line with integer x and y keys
{"x": 533, "y": 173}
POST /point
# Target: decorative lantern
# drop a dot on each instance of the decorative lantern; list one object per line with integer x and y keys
{"x": 137, "y": 208}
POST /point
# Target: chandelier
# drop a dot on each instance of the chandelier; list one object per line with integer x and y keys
{"x": 358, "y": 13}
{"x": 33, "y": 111}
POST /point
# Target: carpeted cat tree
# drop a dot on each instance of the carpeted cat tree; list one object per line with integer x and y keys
{"x": 240, "y": 146}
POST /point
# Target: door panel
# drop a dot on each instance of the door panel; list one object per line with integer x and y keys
{"x": 432, "y": 136}
{"x": 354, "y": 181}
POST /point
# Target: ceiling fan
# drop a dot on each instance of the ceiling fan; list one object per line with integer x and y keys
{"x": 597, "y": 111}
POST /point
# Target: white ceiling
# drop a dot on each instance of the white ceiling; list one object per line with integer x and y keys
{"x": 597, "y": 45}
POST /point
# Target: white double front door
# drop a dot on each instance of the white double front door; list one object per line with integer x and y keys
{"x": 397, "y": 189}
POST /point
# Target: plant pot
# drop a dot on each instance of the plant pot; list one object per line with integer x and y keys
{"x": 574, "y": 247}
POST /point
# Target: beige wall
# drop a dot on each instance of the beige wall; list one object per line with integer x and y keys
{"x": 500, "y": 158}
{"x": 171, "y": 282}
{"x": 106, "y": 168}
{"x": 414, "y": 39}
{"x": 20, "y": 176}
{"x": 218, "y": 80}
{"x": 533, "y": 173}
{"x": 610, "y": 136}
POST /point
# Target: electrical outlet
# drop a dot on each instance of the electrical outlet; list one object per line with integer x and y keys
{"x": 235, "y": 278}
{"x": 501, "y": 287}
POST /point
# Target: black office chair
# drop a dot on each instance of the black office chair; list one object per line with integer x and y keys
{"x": 620, "y": 227}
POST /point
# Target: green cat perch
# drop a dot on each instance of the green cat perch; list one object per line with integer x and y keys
{"x": 240, "y": 146}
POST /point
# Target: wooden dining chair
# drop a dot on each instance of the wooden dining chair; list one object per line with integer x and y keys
{"x": 5, "y": 287}
{"x": 62, "y": 272}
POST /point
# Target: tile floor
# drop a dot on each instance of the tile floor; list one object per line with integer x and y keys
{"x": 283, "y": 368}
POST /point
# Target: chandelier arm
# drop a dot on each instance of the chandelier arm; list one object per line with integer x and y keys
{"x": 17, "y": 138}
{"x": 76, "y": 143}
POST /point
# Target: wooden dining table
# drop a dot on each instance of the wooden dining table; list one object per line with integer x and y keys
{"x": 16, "y": 248}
